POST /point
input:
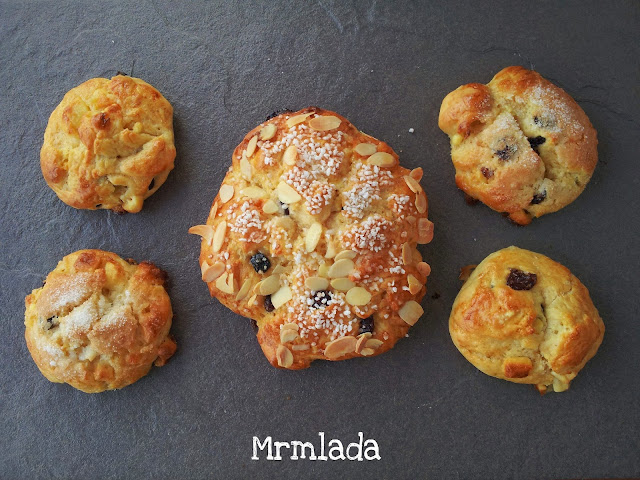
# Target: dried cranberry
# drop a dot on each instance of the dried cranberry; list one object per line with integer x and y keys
{"x": 254, "y": 326}
{"x": 505, "y": 153}
{"x": 535, "y": 142}
{"x": 539, "y": 198}
{"x": 268, "y": 305}
{"x": 366, "y": 325}
{"x": 260, "y": 262}
{"x": 519, "y": 280}
{"x": 487, "y": 172}
{"x": 320, "y": 298}
{"x": 51, "y": 322}
{"x": 278, "y": 112}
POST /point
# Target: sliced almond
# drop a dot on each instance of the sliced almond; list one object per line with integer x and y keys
{"x": 282, "y": 296}
{"x": 416, "y": 173}
{"x": 297, "y": 348}
{"x": 406, "y": 254}
{"x": 414, "y": 284}
{"x": 205, "y": 231}
{"x": 412, "y": 183}
{"x": 341, "y": 268}
{"x": 287, "y": 194}
{"x": 268, "y": 131}
{"x": 373, "y": 343}
{"x": 270, "y": 207}
{"x": 342, "y": 284}
{"x": 367, "y": 351}
{"x": 292, "y": 326}
{"x": 424, "y": 268}
{"x": 284, "y": 356}
{"x": 251, "y": 146}
{"x": 290, "y": 155}
{"x": 411, "y": 312}
{"x": 211, "y": 272}
{"x": 324, "y": 123}
{"x": 253, "y": 192}
{"x": 331, "y": 249}
{"x": 226, "y": 193}
{"x": 421, "y": 202}
{"x": 224, "y": 283}
{"x": 252, "y": 301}
{"x": 214, "y": 210}
{"x": 288, "y": 335}
{"x": 350, "y": 254}
{"x": 316, "y": 283}
{"x": 365, "y": 149}
{"x": 323, "y": 270}
{"x": 362, "y": 340}
{"x": 278, "y": 269}
{"x": 293, "y": 121}
{"x": 245, "y": 167}
{"x": 382, "y": 159}
{"x": 313, "y": 236}
{"x": 244, "y": 290}
{"x": 340, "y": 347}
{"x": 269, "y": 285}
{"x": 358, "y": 296}
{"x": 425, "y": 231}
{"x": 218, "y": 236}
{"x": 411, "y": 219}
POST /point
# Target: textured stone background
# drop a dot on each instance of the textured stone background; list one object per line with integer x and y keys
{"x": 386, "y": 66}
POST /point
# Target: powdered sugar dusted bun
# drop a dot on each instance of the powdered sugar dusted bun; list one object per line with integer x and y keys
{"x": 520, "y": 144}
{"x": 313, "y": 235}
{"x": 99, "y": 322}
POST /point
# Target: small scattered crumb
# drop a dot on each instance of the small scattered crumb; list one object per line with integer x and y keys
{"x": 411, "y": 130}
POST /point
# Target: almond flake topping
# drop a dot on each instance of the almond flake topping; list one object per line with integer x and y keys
{"x": 251, "y": 146}
{"x": 268, "y": 131}
{"x": 341, "y": 346}
{"x": 284, "y": 356}
{"x": 365, "y": 149}
{"x": 382, "y": 159}
{"x": 324, "y": 123}
{"x": 205, "y": 231}
{"x": 226, "y": 193}
{"x": 411, "y": 312}
{"x": 211, "y": 272}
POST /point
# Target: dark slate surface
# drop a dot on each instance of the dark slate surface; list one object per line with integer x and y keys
{"x": 386, "y": 67}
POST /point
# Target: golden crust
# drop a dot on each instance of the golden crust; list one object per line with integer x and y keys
{"x": 99, "y": 322}
{"x": 543, "y": 335}
{"x": 109, "y": 144}
{"x": 520, "y": 144}
{"x": 336, "y": 199}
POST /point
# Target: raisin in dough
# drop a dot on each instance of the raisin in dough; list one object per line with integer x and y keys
{"x": 99, "y": 322}
{"x": 522, "y": 317}
{"x": 109, "y": 144}
{"x": 313, "y": 235}
{"x": 519, "y": 144}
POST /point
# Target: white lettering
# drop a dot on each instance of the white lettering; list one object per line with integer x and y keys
{"x": 280, "y": 445}
{"x": 294, "y": 446}
{"x": 358, "y": 447}
{"x": 256, "y": 445}
{"x": 338, "y": 448}
{"x": 374, "y": 448}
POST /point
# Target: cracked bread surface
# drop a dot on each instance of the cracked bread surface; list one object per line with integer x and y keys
{"x": 99, "y": 322}
{"x": 525, "y": 318}
{"x": 520, "y": 144}
{"x": 313, "y": 235}
{"x": 109, "y": 144}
